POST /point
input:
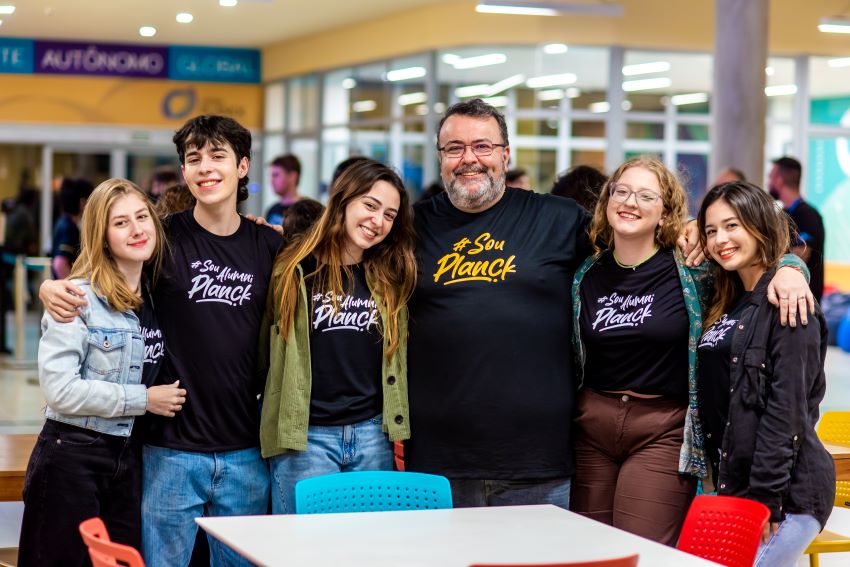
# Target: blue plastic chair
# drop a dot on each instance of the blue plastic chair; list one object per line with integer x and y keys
{"x": 372, "y": 491}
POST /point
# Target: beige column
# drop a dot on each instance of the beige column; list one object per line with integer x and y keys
{"x": 738, "y": 103}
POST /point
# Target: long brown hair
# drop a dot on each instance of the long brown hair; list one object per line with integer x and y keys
{"x": 95, "y": 263}
{"x": 389, "y": 265}
{"x": 762, "y": 219}
{"x": 673, "y": 197}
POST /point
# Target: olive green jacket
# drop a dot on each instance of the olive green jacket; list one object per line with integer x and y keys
{"x": 286, "y": 367}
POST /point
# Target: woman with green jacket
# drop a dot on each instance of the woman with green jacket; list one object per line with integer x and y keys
{"x": 335, "y": 336}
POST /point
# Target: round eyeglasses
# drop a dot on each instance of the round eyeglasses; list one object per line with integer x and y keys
{"x": 621, "y": 194}
{"x": 456, "y": 149}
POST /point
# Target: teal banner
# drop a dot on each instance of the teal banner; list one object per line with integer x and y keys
{"x": 16, "y": 55}
{"x": 213, "y": 64}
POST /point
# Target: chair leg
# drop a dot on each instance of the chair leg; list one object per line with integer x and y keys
{"x": 814, "y": 560}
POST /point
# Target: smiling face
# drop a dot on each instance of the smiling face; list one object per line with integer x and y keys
{"x": 369, "y": 219}
{"x": 729, "y": 243}
{"x": 212, "y": 173}
{"x": 474, "y": 183}
{"x": 130, "y": 233}
{"x": 642, "y": 211}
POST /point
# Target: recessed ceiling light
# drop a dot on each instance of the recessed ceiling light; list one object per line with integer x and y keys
{"x": 647, "y": 84}
{"x": 493, "y": 8}
{"x": 551, "y": 94}
{"x": 412, "y": 98}
{"x": 184, "y": 18}
{"x": 147, "y": 31}
{"x": 646, "y": 68}
{"x": 7, "y": 9}
{"x": 227, "y": 3}
{"x": 364, "y": 106}
{"x": 839, "y": 62}
{"x": 480, "y": 61}
{"x": 497, "y": 101}
{"x": 689, "y": 98}
{"x": 599, "y": 107}
{"x": 780, "y": 90}
{"x": 348, "y": 83}
{"x": 834, "y": 25}
{"x": 551, "y": 81}
{"x": 555, "y": 48}
{"x": 406, "y": 73}
{"x": 505, "y": 84}
{"x": 472, "y": 90}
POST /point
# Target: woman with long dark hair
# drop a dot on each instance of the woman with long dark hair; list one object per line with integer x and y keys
{"x": 336, "y": 336}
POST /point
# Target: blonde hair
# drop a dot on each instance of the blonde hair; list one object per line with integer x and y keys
{"x": 673, "y": 198}
{"x": 95, "y": 262}
{"x": 389, "y": 265}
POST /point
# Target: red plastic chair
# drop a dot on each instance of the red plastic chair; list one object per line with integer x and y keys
{"x": 630, "y": 561}
{"x": 105, "y": 553}
{"x": 724, "y": 529}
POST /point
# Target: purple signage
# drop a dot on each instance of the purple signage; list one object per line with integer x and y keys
{"x": 113, "y": 60}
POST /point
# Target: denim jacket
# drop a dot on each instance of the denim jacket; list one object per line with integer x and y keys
{"x": 90, "y": 369}
{"x": 286, "y": 368}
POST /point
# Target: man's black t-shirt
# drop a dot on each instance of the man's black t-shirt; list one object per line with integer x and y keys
{"x": 490, "y": 357}
{"x": 346, "y": 346}
{"x": 811, "y": 231}
{"x": 66, "y": 240}
{"x": 210, "y": 300}
{"x": 634, "y": 326}
{"x": 714, "y": 350}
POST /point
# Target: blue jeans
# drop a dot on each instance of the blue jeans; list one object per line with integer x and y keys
{"x": 330, "y": 449}
{"x": 792, "y": 538}
{"x": 476, "y": 493}
{"x": 179, "y": 486}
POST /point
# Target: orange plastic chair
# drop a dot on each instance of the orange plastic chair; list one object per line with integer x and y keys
{"x": 105, "y": 553}
{"x": 834, "y": 427}
{"x": 724, "y": 529}
{"x": 630, "y": 561}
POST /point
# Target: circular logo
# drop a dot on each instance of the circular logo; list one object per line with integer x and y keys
{"x": 178, "y": 103}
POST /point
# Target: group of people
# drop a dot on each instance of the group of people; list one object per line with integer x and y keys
{"x": 527, "y": 349}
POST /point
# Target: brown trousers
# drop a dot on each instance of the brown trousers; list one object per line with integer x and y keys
{"x": 627, "y": 460}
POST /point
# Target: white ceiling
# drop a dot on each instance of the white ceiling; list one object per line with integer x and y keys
{"x": 251, "y": 23}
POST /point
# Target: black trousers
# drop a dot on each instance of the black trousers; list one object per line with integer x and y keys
{"x": 73, "y": 475}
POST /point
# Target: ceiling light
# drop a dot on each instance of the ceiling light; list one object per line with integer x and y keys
{"x": 227, "y": 3}
{"x": 147, "y": 31}
{"x": 184, "y": 18}
{"x": 7, "y": 9}
{"x": 472, "y": 90}
{"x": 364, "y": 106}
{"x": 840, "y": 62}
{"x": 646, "y": 68}
{"x": 496, "y": 100}
{"x": 555, "y": 48}
{"x": 422, "y": 109}
{"x": 834, "y": 25}
{"x": 348, "y": 83}
{"x": 551, "y": 94}
{"x": 780, "y": 90}
{"x": 505, "y": 84}
{"x": 647, "y": 84}
{"x": 480, "y": 61}
{"x": 450, "y": 58}
{"x": 405, "y": 73}
{"x": 412, "y": 98}
{"x": 769, "y": 71}
{"x": 599, "y": 107}
{"x": 550, "y": 81}
{"x": 573, "y": 92}
{"x": 690, "y": 98}
{"x": 525, "y": 8}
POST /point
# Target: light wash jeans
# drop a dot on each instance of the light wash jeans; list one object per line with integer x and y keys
{"x": 476, "y": 493}
{"x": 792, "y": 538}
{"x": 330, "y": 449}
{"x": 179, "y": 486}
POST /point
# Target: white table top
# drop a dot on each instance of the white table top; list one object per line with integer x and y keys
{"x": 444, "y": 538}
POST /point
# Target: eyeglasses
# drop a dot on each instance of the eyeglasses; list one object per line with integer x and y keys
{"x": 456, "y": 150}
{"x": 620, "y": 194}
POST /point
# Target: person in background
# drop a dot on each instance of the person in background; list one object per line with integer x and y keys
{"x": 300, "y": 217}
{"x": 285, "y": 173}
{"x": 582, "y": 183}
{"x": 87, "y": 460}
{"x": 432, "y": 190}
{"x": 66, "y": 233}
{"x": 333, "y": 344}
{"x": 518, "y": 178}
{"x": 784, "y": 185}
{"x": 161, "y": 179}
{"x": 341, "y": 167}
{"x": 729, "y": 174}
{"x": 760, "y": 382}
{"x": 174, "y": 199}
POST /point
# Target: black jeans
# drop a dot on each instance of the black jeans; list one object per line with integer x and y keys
{"x": 73, "y": 475}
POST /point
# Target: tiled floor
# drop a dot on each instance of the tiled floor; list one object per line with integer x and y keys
{"x": 21, "y": 412}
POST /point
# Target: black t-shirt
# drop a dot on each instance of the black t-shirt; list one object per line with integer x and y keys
{"x": 810, "y": 230}
{"x": 210, "y": 300}
{"x": 66, "y": 240}
{"x": 346, "y": 347}
{"x": 634, "y": 326}
{"x": 154, "y": 343}
{"x": 490, "y": 364}
{"x": 714, "y": 350}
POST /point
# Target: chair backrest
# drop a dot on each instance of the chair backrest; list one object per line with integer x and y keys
{"x": 630, "y": 561}
{"x": 371, "y": 491}
{"x": 834, "y": 427}
{"x": 724, "y": 529}
{"x": 105, "y": 553}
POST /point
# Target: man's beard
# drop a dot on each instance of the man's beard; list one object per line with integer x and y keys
{"x": 487, "y": 191}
